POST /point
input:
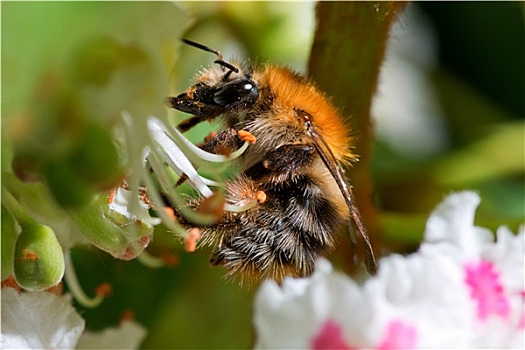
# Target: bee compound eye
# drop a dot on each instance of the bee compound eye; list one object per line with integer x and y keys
{"x": 234, "y": 92}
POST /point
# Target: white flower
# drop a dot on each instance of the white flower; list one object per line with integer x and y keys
{"x": 41, "y": 320}
{"x": 121, "y": 202}
{"x": 160, "y": 161}
{"x": 129, "y": 335}
{"x": 461, "y": 289}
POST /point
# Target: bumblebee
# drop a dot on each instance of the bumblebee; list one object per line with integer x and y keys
{"x": 293, "y": 170}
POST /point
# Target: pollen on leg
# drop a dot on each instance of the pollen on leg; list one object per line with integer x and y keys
{"x": 210, "y": 136}
{"x": 246, "y": 136}
{"x": 261, "y": 197}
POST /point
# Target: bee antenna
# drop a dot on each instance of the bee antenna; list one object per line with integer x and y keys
{"x": 202, "y": 47}
{"x": 219, "y": 59}
{"x": 230, "y": 66}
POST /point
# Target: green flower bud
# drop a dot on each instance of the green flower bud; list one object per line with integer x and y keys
{"x": 8, "y": 243}
{"x": 114, "y": 233}
{"x": 39, "y": 260}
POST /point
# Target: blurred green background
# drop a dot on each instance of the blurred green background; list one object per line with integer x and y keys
{"x": 66, "y": 65}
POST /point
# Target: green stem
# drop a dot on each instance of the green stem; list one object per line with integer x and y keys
{"x": 345, "y": 60}
{"x": 150, "y": 261}
{"x": 71, "y": 279}
{"x": 16, "y": 210}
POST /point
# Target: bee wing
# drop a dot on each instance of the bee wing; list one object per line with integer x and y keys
{"x": 334, "y": 167}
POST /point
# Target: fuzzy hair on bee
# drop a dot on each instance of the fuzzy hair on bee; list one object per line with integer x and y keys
{"x": 295, "y": 165}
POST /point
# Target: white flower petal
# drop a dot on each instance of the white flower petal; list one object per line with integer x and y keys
{"x": 39, "y": 320}
{"x": 175, "y": 157}
{"x": 455, "y": 214}
{"x": 302, "y": 305}
{"x": 451, "y": 230}
{"x": 508, "y": 254}
{"x": 121, "y": 203}
{"x": 129, "y": 335}
{"x": 427, "y": 292}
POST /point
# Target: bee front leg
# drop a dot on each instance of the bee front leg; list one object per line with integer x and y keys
{"x": 189, "y": 123}
{"x": 225, "y": 142}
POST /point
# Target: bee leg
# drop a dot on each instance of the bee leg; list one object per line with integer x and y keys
{"x": 287, "y": 161}
{"x": 189, "y": 123}
{"x": 225, "y": 142}
{"x": 289, "y": 157}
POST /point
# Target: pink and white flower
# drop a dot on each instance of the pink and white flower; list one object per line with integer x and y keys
{"x": 461, "y": 289}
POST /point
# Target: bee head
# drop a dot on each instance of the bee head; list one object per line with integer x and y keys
{"x": 218, "y": 91}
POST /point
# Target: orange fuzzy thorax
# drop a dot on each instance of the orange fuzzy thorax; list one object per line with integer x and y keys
{"x": 296, "y": 92}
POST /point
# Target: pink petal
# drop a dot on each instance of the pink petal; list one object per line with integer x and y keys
{"x": 330, "y": 337}
{"x": 399, "y": 336}
{"x": 486, "y": 289}
{"x": 522, "y": 318}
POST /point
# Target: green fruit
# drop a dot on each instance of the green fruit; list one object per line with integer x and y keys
{"x": 39, "y": 260}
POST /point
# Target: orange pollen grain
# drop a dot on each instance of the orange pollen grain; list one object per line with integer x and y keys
{"x": 261, "y": 197}
{"x": 190, "y": 242}
{"x": 29, "y": 255}
{"x": 210, "y": 136}
{"x": 144, "y": 197}
{"x": 111, "y": 196}
{"x": 246, "y": 136}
